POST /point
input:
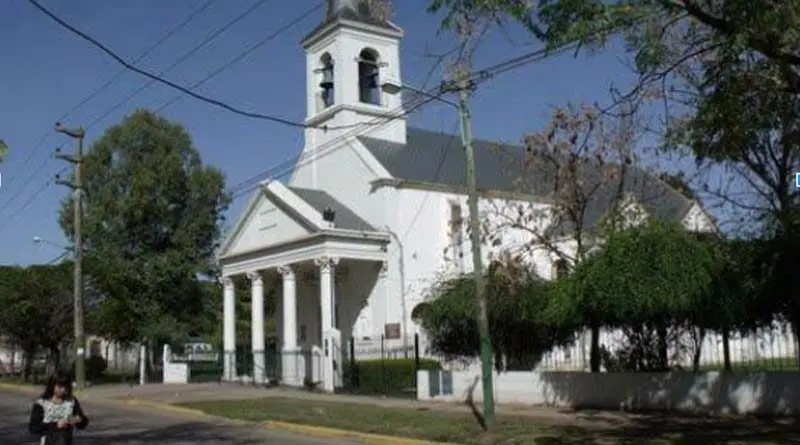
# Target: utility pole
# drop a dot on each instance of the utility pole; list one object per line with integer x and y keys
{"x": 77, "y": 195}
{"x": 464, "y": 85}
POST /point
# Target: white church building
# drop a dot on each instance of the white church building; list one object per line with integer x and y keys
{"x": 370, "y": 217}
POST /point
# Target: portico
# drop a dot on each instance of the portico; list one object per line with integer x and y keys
{"x": 324, "y": 261}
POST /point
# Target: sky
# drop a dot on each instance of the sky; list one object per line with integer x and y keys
{"x": 47, "y": 71}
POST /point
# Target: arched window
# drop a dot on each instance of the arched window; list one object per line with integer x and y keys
{"x": 327, "y": 84}
{"x": 560, "y": 268}
{"x": 369, "y": 91}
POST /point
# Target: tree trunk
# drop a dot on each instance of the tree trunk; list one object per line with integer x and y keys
{"x": 56, "y": 353}
{"x": 698, "y": 350}
{"x": 27, "y": 363}
{"x": 796, "y": 335}
{"x": 726, "y": 350}
{"x": 663, "y": 350}
{"x": 13, "y": 359}
{"x": 594, "y": 350}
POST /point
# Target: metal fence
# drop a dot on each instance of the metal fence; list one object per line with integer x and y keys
{"x": 361, "y": 366}
{"x": 767, "y": 349}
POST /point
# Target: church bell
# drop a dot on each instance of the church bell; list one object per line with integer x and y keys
{"x": 327, "y": 78}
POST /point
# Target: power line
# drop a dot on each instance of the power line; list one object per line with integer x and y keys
{"x": 436, "y": 175}
{"x": 479, "y": 76}
{"x": 208, "y": 39}
{"x": 325, "y": 149}
{"x": 27, "y": 182}
{"x": 245, "y": 53}
{"x": 30, "y": 201}
{"x": 181, "y": 88}
{"x": 58, "y": 258}
{"x": 174, "y": 30}
{"x": 216, "y": 72}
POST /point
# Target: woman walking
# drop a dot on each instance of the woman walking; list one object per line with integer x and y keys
{"x": 57, "y": 413}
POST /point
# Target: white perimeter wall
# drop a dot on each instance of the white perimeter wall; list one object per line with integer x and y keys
{"x": 768, "y": 393}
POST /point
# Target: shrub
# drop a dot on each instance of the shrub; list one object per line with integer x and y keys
{"x": 389, "y": 376}
{"x": 95, "y": 367}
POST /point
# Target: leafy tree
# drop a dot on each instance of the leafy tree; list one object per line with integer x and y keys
{"x": 729, "y": 72}
{"x": 521, "y": 333}
{"x": 37, "y": 309}
{"x": 736, "y": 301}
{"x": 152, "y": 221}
{"x": 3, "y": 150}
{"x": 647, "y": 280}
{"x": 581, "y": 165}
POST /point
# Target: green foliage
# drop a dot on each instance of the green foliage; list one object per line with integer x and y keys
{"x": 152, "y": 221}
{"x": 389, "y": 376}
{"x": 37, "y": 305}
{"x": 519, "y": 318}
{"x": 648, "y": 274}
{"x": 96, "y": 367}
{"x": 3, "y": 150}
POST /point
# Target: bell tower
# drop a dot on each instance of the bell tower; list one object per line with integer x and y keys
{"x": 348, "y": 57}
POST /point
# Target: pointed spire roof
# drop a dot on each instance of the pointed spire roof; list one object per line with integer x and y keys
{"x": 367, "y": 12}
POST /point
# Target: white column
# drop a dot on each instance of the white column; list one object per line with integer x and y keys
{"x": 326, "y": 267}
{"x": 229, "y": 329}
{"x": 257, "y": 325}
{"x": 291, "y": 364}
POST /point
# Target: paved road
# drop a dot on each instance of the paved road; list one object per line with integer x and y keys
{"x": 112, "y": 425}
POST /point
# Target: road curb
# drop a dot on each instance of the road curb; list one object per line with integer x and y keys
{"x": 305, "y": 430}
{"x": 337, "y": 434}
{"x": 28, "y": 389}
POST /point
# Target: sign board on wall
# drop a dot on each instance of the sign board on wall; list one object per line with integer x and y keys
{"x": 391, "y": 331}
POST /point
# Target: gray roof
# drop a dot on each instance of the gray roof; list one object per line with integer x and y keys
{"x": 320, "y": 201}
{"x": 355, "y": 11}
{"x": 438, "y": 158}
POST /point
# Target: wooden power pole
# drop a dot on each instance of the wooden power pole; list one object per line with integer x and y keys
{"x": 77, "y": 194}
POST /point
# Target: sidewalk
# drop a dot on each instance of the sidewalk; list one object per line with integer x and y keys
{"x": 179, "y": 394}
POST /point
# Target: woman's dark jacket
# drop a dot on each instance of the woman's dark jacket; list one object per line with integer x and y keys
{"x": 45, "y": 415}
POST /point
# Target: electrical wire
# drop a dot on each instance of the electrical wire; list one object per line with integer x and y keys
{"x": 437, "y": 174}
{"x": 30, "y": 201}
{"x": 208, "y": 39}
{"x": 332, "y": 145}
{"x": 174, "y": 30}
{"x": 59, "y": 258}
{"x": 216, "y": 72}
{"x": 167, "y": 82}
{"x": 225, "y": 66}
{"x": 480, "y": 76}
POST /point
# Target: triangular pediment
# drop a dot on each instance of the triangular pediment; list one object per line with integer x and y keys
{"x": 269, "y": 220}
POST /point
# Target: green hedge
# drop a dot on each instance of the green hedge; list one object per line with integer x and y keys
{"x": 204, "y": 372}
{"x": 389, "y": 376}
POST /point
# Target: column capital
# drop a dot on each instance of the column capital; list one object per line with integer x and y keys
{"x": 255, "y": 278}
{"x": 326, "y": 263}
{"x": 226, "y": 281}
{"x": 287, "y": 271}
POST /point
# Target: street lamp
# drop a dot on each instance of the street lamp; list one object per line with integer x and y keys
{"x": 462, "y": 86}
{"x": 393, "y": 87}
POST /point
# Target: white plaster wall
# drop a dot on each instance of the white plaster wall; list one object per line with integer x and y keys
{"x": 344, "y": 46}
{"x": 10, "y": 359}
{"x": 267, "y": 224}
{"x": 776, "y": 393}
